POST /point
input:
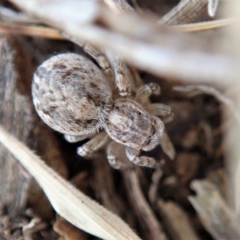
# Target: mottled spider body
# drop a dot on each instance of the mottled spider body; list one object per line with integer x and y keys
{"x": 73, "y": 96}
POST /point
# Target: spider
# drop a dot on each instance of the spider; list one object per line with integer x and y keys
{"x": 75, "y": 97}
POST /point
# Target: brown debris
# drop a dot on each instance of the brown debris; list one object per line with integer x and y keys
{"x": 178, "y": 222}
{"x": 221, "y": 221}
{"x": 149, "y": 225}
{"x": 157, "y": 204}
{"x": 67, "y": 230}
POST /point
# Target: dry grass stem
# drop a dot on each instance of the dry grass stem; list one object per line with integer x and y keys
{"x": 51, "y": 33}
{"x": 232, "y": 38}
{"x": 153, "y": 189}
{"x": 158, "y": 51}
{"x": 203, "y": 26}
{"x": 36, "y": 31}
{"x": 68, "y": 202}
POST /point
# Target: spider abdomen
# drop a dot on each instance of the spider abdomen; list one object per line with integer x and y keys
{"x": 71, "y": 93}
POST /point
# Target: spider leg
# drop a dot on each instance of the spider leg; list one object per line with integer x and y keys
{"x": 97, "y": 55}
{"x": 94, "y": 144}
{"x": 146, "y": 91}
{"x": 167, "y": 146}
{"x": 127, "y": 78}
{"x": 164, "y": 111}
{"x": 100, "y": 58}
{"x": 135, "y": 79}
{"x": 122, "y": 82}
{"x": 116, "y": 155}
{"x": 121, "y": 71}
{"x": 144, "y": 161}
{"x": 159, "y": 109}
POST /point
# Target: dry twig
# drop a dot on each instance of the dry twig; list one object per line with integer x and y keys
{"x": 37, "y": 31}
{"x": 148, "y": 221}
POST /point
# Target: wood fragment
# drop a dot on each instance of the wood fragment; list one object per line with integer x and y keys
{"x": 208, "y": 138}
{"x": 35, "y": 225}
{"x": 232, "y": 37}
{"x": 178, "y": 222}
{"x": 220, "y": 221}
{"x": 10, "y": 227}
{"x": 18, "y": 115}
{"x": 187, "y": 11}
{"x": 149, "y": 224}
{"x": 153, "y": 190}
{"x": 186, "y": 165}
{"x": 67, "y": 230}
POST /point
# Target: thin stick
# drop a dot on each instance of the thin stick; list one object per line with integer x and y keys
{"x": 203, "y": 26}
{"x": 151, "y": 225}
{"x": 36, "y": 31}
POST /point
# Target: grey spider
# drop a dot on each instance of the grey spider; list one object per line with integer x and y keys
{"x": 73, "y": 96}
